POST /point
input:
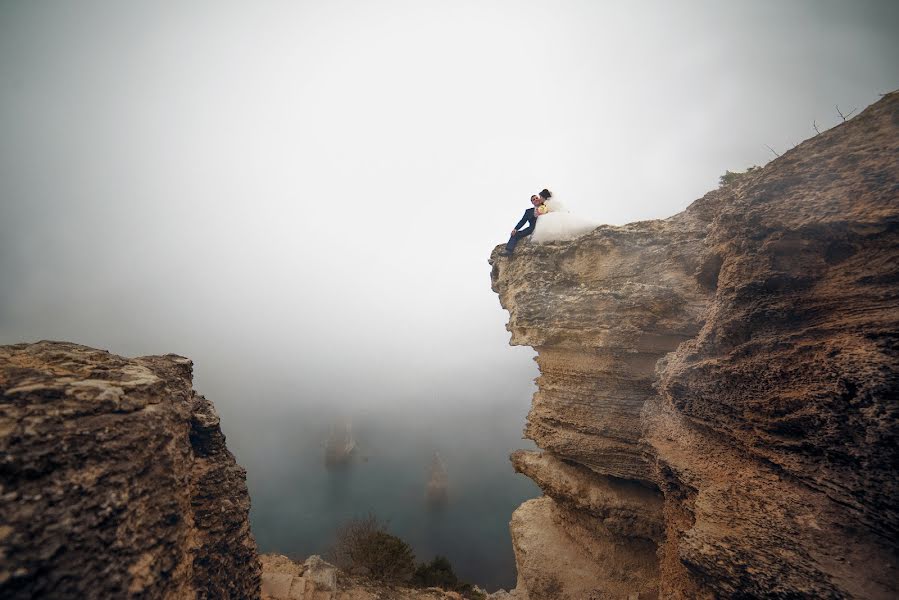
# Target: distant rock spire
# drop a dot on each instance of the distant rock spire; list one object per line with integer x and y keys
{"x": 438, "y": 481}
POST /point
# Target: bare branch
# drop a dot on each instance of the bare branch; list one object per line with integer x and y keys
{"x": 772, "y": 150}
{"x": 847, "y": 115}
{"x": 815, "y": 126}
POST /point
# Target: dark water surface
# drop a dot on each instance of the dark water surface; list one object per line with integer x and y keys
{"x": 298, "y": 502}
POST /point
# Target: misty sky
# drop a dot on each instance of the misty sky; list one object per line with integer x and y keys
{"x": 308, "y": 191}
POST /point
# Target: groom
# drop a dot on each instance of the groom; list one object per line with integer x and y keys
{"x": 530, "y": 216}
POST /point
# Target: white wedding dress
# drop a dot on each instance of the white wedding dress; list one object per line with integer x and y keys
{"x": 560, "y": 225}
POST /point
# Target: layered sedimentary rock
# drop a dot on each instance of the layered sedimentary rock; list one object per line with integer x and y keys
{"x": 736, "y": 365}
{"x": 116, "y": 481}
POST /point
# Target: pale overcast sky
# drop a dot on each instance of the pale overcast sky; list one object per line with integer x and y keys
{"x": 313, "y": 188}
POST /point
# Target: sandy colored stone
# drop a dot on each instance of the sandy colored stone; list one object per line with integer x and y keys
{"x": 278, "y": 563}
{"x": 563, "y": 556}
{"x": 516, "y": 594}
{"x": 741, "y": 360}
{"x": 277, "y": 585}
{"x": 626, "y": 509}
{"x": 316, "y": 579}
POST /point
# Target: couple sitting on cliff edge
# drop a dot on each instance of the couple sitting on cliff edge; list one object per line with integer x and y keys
{"x": 547, "y": 221}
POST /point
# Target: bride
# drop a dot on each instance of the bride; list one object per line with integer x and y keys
{"x": 555, "y": 223}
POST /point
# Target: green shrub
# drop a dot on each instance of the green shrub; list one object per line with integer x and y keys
{"x": 363, "y": 546}
{"x": 730, "y": 177}
{"x": 437, "y": 573}
{"x": 387, "y": 557}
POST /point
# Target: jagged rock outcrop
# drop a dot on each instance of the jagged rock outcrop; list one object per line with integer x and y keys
{"x": 718, "y": 392}
{"x": 116, "y": 481}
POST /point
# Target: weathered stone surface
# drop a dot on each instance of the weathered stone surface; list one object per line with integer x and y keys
{"x": 316, "y": 579}
{"x": 601, "y": 312}
{"x": 116, "y": 481}
{"x": 627, "y": 509}
{"x": 566, "y": 555}
{"x": 741, "y": 359}
{"x": 320, "y": 574}
{"x": 516, "y": 594}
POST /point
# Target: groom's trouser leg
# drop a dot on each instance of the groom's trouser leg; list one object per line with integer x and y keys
{"x": 510, "y": 245}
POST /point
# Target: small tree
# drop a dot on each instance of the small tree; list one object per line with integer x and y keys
{"x": 437, "y": 573}
{"x": 363, "y": 545}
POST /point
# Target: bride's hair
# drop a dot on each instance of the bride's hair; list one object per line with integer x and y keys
{"x": 546, "y": 194}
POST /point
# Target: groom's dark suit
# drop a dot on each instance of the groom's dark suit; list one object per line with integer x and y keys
{"x": 531, "y": 218}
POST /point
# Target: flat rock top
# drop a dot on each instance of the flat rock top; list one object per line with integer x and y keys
{"x": 94, "y": 380}
{"x": 115, "y": 480}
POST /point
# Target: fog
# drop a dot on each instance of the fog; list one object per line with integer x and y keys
{"x": 302, "y": 196}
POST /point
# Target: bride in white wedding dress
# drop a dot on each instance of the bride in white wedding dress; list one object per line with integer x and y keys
{"x": 555, "y": 223}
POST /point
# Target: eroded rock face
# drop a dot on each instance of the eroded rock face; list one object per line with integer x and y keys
{"x": 739, "y": 362}
{"x": 116, "y": 481}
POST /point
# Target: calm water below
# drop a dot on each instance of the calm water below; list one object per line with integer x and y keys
{"x": 298, "y": 502}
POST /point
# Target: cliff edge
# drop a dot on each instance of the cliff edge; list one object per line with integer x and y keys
{"x": 116, "y": 481}
{"x": 718, "y": 391}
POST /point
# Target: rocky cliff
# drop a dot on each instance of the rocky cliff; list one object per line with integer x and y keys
{"x": 116, "y": 482}
{"x": 718, "y": 391}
